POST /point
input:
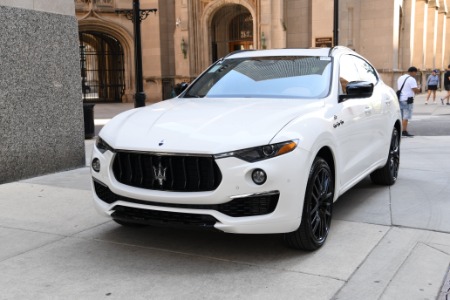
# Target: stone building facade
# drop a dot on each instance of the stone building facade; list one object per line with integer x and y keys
{"x": 186, "y": 36}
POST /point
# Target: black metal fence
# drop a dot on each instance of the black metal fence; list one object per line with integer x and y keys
{"x": 102, "y": 67}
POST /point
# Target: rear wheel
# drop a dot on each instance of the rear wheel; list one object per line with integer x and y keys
{"x": 317, "y": 209}
{"x": 388, "y": 174}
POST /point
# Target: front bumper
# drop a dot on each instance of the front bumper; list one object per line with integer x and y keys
{"x": 237, "y": 205}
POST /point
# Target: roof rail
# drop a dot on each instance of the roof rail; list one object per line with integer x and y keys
{"x": 234, "y": 52}
{"x": 339, "y": 47}
{"x": 238, "y": 51}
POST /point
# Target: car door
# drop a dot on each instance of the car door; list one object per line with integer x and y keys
{"x": 377, "y": 106}
{"x": 352, "y": 126}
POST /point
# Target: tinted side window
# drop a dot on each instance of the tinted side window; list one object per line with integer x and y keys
{"x": 353, "y": 68}
{"x": 347, "y": 72}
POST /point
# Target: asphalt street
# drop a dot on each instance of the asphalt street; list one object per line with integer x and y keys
{"x": 431, "y": 119}
{"x": 385, "y": 242}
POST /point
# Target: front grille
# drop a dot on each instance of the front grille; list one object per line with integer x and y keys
{"x": 164, "y": 218}
{"x": 240, "y": 207}
{"x": 167, "y": 172}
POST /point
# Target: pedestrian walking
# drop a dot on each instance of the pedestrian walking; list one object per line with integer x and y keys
{"x": 408, "y": 85}
{"x": 432, "y": 86}
{"x": 446, "y": 86}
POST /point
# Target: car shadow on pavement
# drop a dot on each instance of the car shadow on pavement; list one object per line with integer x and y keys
{"x": 265, "y": 250}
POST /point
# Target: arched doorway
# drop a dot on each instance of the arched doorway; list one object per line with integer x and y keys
{"x": 102, "y": 67}
{"x": 231, "y": 30}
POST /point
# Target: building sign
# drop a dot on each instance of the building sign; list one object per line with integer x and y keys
{"x": 324, "y": 42}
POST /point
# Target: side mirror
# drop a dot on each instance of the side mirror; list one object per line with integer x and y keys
{"x": 180, "y": 87}
{"x": 357, "y": 89}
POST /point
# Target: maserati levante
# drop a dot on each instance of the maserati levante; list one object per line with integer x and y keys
{"x": 261, "y": 142}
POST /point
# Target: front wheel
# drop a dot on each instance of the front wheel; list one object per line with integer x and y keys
{"x": 388, "y": 174}
{"x": 317, "y": 209}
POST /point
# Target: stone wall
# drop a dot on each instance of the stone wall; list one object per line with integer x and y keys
{"x": 41, "y": 111}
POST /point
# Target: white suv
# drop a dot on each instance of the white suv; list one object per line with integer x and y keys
{"x": 262, "y": 142}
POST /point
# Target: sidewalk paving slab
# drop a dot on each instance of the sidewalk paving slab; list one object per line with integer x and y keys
{"x": 89, "y": 269}
{"x": 399, "y": 267}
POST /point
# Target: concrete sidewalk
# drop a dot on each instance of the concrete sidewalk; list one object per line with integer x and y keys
{"x": 385, "y": 242}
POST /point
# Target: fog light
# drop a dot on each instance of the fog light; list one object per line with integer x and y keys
{"x": 259, "y": 176}
{"x": 96, "y": 165}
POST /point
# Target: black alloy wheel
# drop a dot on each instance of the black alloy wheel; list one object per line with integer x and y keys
{"x": 317, "y": 209}
{"x": 388, "y": 174}
{"x": 394, "y": 155}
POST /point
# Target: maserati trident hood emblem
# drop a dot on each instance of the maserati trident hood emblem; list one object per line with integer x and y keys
{"x": 160, "y": 173}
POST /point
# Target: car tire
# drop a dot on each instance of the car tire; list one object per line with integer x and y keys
{"x": 388, "y": 174}
{"x": 128, "y": 224}
{"x": 317, "y": 209}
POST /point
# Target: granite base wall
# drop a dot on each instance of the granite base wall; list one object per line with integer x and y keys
{"x": 41, "y": 110}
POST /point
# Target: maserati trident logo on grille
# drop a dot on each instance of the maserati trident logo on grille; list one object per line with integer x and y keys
{"x": 160, "y": 173}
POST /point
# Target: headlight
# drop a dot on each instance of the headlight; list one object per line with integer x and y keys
{"x": 102, "y": 146}
{"x": 261, "y": 152}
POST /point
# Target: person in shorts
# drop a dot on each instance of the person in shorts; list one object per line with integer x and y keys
{"x": 446, "y": 86}
{"x": 432, "y": 85}
{"x": 410, "y": 88}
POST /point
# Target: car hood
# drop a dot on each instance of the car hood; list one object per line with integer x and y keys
{"x": 204, "y": 126}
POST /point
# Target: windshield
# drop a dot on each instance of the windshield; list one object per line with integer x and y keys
{"x": 265, "y": 77}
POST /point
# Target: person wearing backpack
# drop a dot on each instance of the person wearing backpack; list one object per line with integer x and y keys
{"x": 408, "y": 85}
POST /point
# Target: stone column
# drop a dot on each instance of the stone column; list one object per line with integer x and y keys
{"x": 433, "y": 7}
{"x": 424, "y": 35}
{"x": 443, "y": 14}
{"x": 278, "y": 31}
{"x": 41, "y": 109}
